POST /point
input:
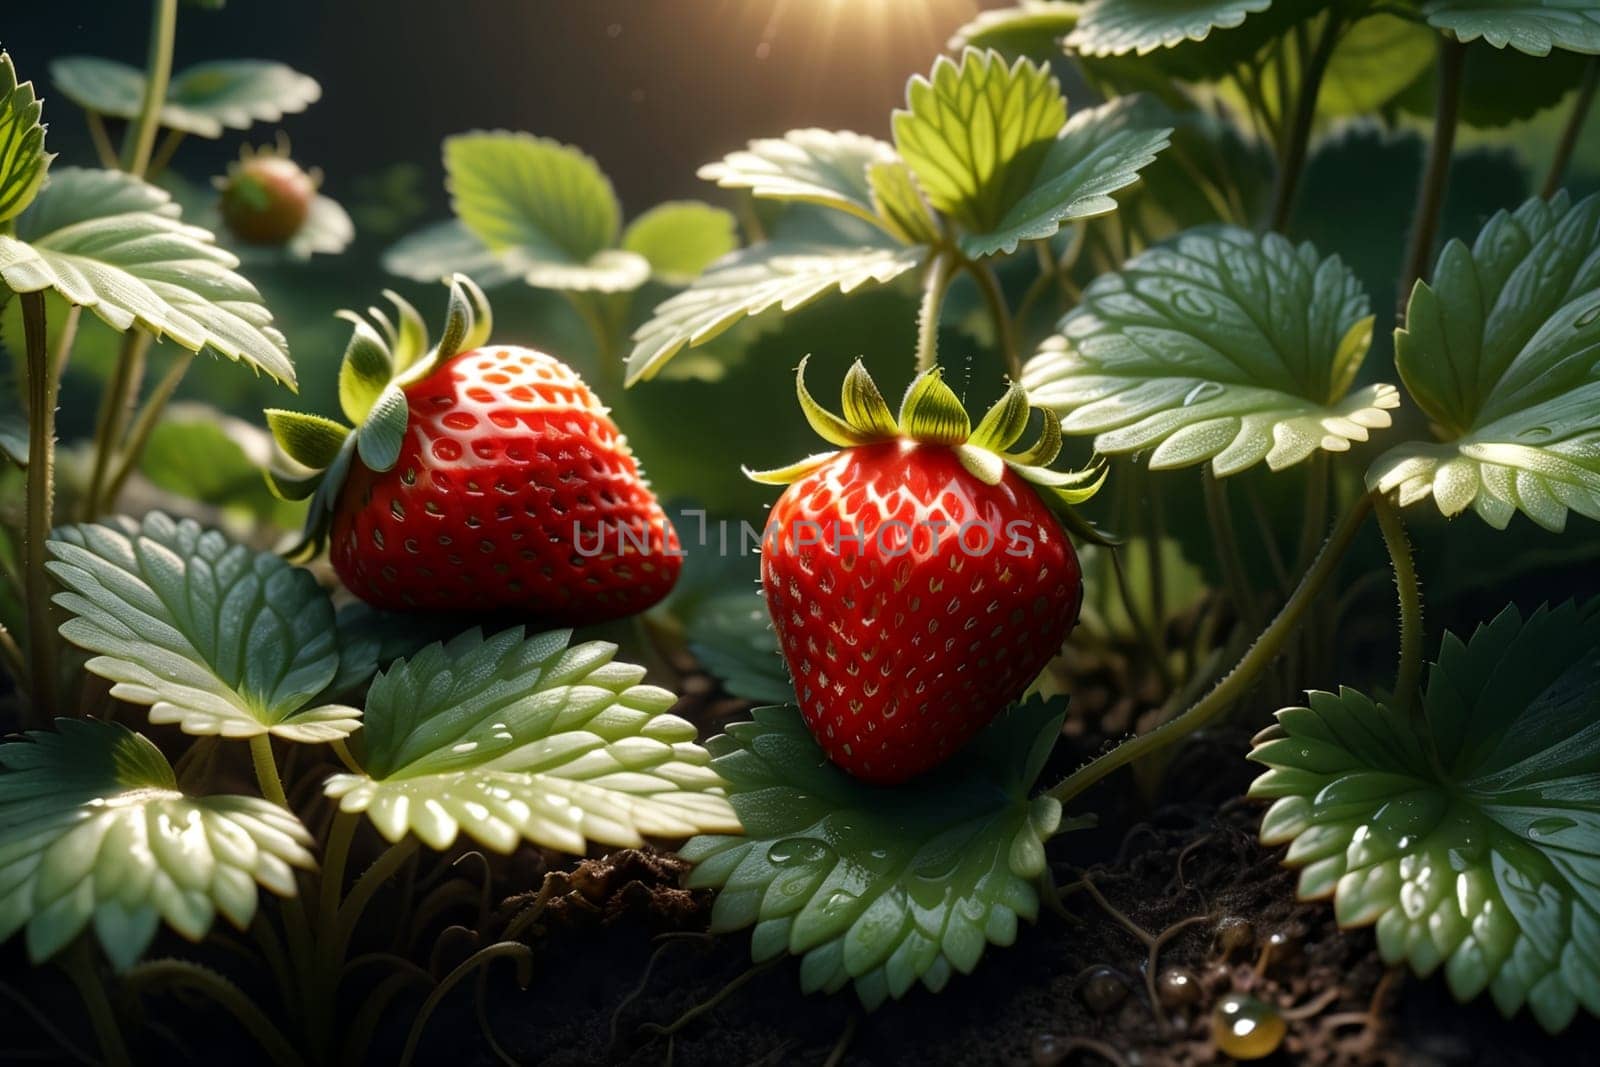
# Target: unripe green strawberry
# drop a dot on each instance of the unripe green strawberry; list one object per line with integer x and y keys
{"x": 917, "y": 579}
{"x": 482, "y": 477}
{"x": 266, "y": 197}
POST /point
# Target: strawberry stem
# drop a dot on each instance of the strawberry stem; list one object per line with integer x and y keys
{"x": 1238, "y": 681}
{"x": 1409, "y": 674}
{"x": 941, "y": 271}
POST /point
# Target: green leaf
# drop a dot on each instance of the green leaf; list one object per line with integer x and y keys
{"x": 1034, "y": 28}
{"x": 976, "y": 134}
{"x": 327, "y": 231}
{"x": 1098, "y": 152}
{"x": 23, "y": 160}
{"x": 901, "y": 207}
{"x": 215, "y": 459}
{"x": 114, "y": 244}
{"x": 1500, "y": 86}
{"x": 213, "y": 636}
{"x": 545, "y": 207}
{"x": 1471, "y": 840}
{"x": 750, "y": 281}
{"x": 96, "y": 831}
{"x": 444, "y": 248}
{"x": 1531, "y": 26}
{"x": 881, "y": 886}
{"x": 515, "y": 737}
{"x": 681, "y": 238}
{"x": 1117, "y": 27}
{"x": 204, "y": 100}
{"x": 1502, "y": 352}
{"x": 1222, "y": 345}
{"x": 814, "y": 166}
{"x": 731, "y": 635}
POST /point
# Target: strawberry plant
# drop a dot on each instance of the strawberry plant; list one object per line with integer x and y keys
{"x": 407, "y": 678}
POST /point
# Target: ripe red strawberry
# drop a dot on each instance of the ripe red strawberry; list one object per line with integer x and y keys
{"x": 481, "y": 477}
{"x": 917, "y": 580}
{"x": 266, "y": 196}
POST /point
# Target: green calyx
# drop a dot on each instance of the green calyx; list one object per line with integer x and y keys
{"x": 379, "y": 362}
{"x": 931, "y": 413}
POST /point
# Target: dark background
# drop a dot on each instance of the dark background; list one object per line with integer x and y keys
{"x": 651, "y": 88}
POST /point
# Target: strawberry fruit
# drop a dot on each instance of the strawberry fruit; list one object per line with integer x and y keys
{"x": 479, "y": 477}
{"x": 266, "y": 197}
{"x": 917, "y": 579}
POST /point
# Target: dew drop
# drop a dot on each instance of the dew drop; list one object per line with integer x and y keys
{"x": 1550, "y": 825}
{"x": 1587, "y": 318}
{"x": 1203, "y": 391}
{"x": 1246, "y": 1028}
{"x": 798, "y": 852}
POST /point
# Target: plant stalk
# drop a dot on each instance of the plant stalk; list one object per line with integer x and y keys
{"x": 121, "y": 396}
{"x": 43, "y": 387}
{"x": 267, "y": 770}
{"x": 1004, "y": 330}
{"x": 1570, "y": 133}
{"x": 1298, "y": 142}
{"x": 1219, "y": 512}
{"x": 1237, "y": 683}
{"x": 1436, "y": 176}
{"x": 941, "y": 271}
{"x": 1409, "y": 673}
{"x": 184, "y": 974}
{"x": 141, "y": 138}
{"x": 143, "y": 426}
{"x": 78, "y": 962}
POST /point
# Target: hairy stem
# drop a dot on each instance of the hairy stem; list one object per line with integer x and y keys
{"x": 1576, "y": 118}
{"x": 371, "y": 880}
{"x": 1004, "y": 331}
{"x": 940, "y": 273}
{"x": 521, "y": 953}
{"x": 121, "y": 396}
{"x": 78, "y": 962}
{"x": 43, "y": 385}
{"x": 1298, "y": 139}
{"x": 1409, "y": 674}
{"x": 1435, "y": 177}
{"x": 141, "y": 138}
{"x": 183, "y": 974}
{"x": 1237, "y": 683}
{"x": 143, "y": 426}
{"x": 267, "y": 770}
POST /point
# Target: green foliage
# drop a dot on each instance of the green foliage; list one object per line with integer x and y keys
{"x": 1034, "y": 29}
{"x": 213, "y": 636}
{"x": 1531, "y": 26}
{"x": 545, "y": 208}
{"x": 813, "y": 166}
{"x": 1117, "y": 27}
{"x": 681, "y": 238}
{"x": 202, "y": 455}
{"x": 1470, "y": 836}
{"x": 514, "y": 737}
{"x": 773, "y": 275}
{"x": 96, "y": 831}
{"x": 974, "y": 134}
{"x": 1501, "y": 352}
{"x": 441, "y": 249}
{"x": 986, "y": 145}
{"x": 23, "y": 160}
{"x": 884, "y": 887}
{"x": 114, "y": 244}
{"x": 204, "y": 100}
{"x": 1222, "y": 346}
